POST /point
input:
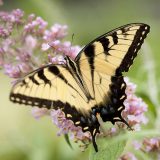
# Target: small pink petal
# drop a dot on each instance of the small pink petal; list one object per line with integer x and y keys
{"x": 31, "y": 42}
{"x": 39, "y": 112}
{"x": 45, "y": 46}
{"x": 137, "y": 145}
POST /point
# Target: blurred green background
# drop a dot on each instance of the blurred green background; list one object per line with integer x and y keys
{"x": 24, "y": 138}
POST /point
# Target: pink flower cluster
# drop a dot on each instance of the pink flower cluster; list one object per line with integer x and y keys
{"x": 27, "y": 44}
{"x": 39, "y": 112}
{"x": 9, "y": 21}
{"x": 148, "y": 145}
{"x": 135, "y": 107}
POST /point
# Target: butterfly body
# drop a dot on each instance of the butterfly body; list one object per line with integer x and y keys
{"x": 88, "y": 86}
{"x": 76, "y": 74}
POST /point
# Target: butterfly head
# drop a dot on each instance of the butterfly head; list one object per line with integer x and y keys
{"x": 67, "y": 59}
{"x": 70, "y": 63}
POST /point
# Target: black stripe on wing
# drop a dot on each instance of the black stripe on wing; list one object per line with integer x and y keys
{"x": 105, "y": 42}
{"x": 133, "y": 49}
{"x": 42, "y": 77}
{"x": 54, "y": 69}
{"x": 115, "y": 37}
{"x": 90, "y": 52}
{"x": 32, "y": 79}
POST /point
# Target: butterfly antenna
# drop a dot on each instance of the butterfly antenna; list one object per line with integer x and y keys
{"x": 71, "y": 43}
{"x": 72, "y": 39}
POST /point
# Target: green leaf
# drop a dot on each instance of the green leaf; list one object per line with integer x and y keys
{"x": 108, "y": 149}
{"x": 68, "y": 141}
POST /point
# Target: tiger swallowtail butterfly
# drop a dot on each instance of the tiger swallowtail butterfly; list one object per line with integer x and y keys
{"x": 92, "y": 84}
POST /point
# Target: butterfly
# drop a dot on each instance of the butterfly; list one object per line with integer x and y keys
{"x": 91, "y": 85}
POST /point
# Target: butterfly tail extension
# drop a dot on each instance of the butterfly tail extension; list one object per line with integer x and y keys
{"x": 94, "y": 141}
{"x": 93, "y": 128}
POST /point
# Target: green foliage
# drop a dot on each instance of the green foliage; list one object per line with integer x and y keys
{"x": 108, "y": 149}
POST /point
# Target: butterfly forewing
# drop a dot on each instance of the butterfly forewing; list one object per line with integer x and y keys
{"x": 112, "y": 48}
{"x": 110, "y": 55}
{"x": 49, "y": 83}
